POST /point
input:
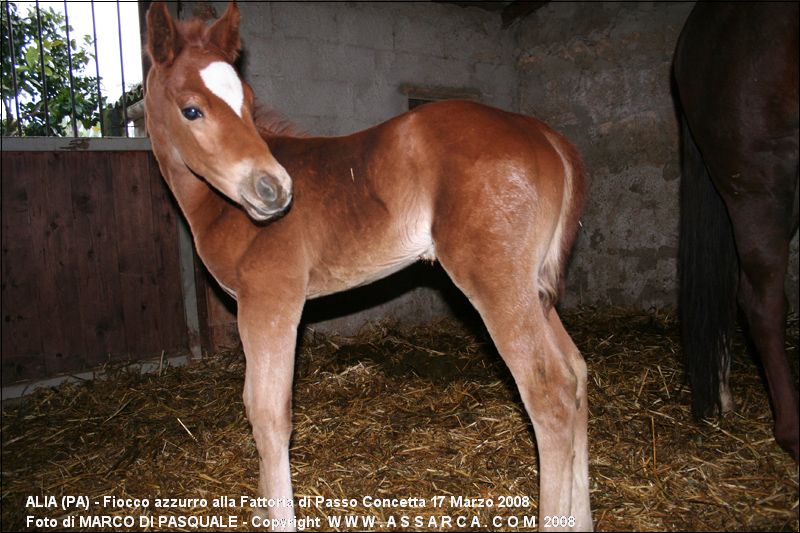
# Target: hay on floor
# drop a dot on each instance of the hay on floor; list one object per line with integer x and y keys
{"x": 413, "y": 412}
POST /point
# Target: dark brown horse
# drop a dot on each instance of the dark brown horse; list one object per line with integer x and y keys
{"x": 736, "y": 70}
{"x": 277, "y": 219}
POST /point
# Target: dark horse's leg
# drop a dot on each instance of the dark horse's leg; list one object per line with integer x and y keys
{"x": 763, "y": 231}
{"x": 742, "y": 110}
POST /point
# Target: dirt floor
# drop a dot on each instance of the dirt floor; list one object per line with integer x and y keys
{"x": 428, "y": 414}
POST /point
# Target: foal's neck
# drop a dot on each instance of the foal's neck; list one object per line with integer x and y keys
{"x": 198, "y": 202}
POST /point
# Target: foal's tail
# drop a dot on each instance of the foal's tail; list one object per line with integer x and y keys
{"x": 551, "y": 275}
{"x": 708, "y": 268}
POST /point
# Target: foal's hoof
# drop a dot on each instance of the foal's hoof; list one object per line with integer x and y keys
{"x": 259, "y": 516}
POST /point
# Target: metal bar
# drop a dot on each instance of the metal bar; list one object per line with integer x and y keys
{"x": 13, "y": 67}
{"x": 97, "y": 67}
{"x": 45, "y": 99}
{"x": 71, "y": 78}
{"x": 122, "y": 73}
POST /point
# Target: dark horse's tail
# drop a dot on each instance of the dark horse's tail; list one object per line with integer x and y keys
{"x": 708, "y": 268}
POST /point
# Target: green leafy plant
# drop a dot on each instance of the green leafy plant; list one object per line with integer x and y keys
{"x": 23, "y": 55}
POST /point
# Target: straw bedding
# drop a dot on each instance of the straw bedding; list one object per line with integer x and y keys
{"x": 421, "y": 412}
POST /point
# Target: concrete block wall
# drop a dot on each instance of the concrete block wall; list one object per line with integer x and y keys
{"x": 336, "y": 68}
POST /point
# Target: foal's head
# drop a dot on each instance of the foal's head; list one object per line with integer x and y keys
{"x": 198, "y": 107}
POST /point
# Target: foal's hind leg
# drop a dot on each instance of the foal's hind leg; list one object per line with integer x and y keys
{"x": 551, "y": 382}
{"x": 580, "y": 458}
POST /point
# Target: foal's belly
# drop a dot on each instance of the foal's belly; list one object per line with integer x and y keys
{"x": 373, "y": 255}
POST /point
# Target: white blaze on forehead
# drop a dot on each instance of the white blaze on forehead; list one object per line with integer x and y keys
{"x": 222, "y": 80}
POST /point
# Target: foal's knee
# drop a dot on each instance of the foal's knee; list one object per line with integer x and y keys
{"x": 271, "y": 424}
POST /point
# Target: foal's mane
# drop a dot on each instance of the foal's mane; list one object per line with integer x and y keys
{"x": 272, "y": 123}
{"x": 193, "y": 33}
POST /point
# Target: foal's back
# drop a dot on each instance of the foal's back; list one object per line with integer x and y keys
{"x": 373, "y": 202}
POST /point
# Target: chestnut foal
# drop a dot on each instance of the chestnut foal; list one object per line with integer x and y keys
{"x": 495, "y": 197}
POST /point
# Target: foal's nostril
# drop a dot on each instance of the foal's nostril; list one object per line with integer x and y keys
{"x": 266, "y": 189}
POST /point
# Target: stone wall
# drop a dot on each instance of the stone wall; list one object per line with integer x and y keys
{"x": 600, "y": 72}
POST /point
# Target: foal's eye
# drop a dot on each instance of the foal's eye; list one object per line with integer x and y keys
{"x": 191, "y": 113}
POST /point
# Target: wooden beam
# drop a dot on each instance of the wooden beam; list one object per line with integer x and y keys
{"x": 519, "y": 9}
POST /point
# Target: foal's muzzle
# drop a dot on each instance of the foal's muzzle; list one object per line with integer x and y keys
{"x": 266, "y": 196}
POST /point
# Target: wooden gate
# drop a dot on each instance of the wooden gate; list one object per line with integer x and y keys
{"x": 91, "y": 269}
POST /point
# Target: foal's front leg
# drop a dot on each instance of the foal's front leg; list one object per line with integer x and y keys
{"x": 268, "y": 328}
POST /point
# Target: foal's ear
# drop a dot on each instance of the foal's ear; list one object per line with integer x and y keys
{"x": 224, "y": 33}
{"x": 163, "y": 40}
